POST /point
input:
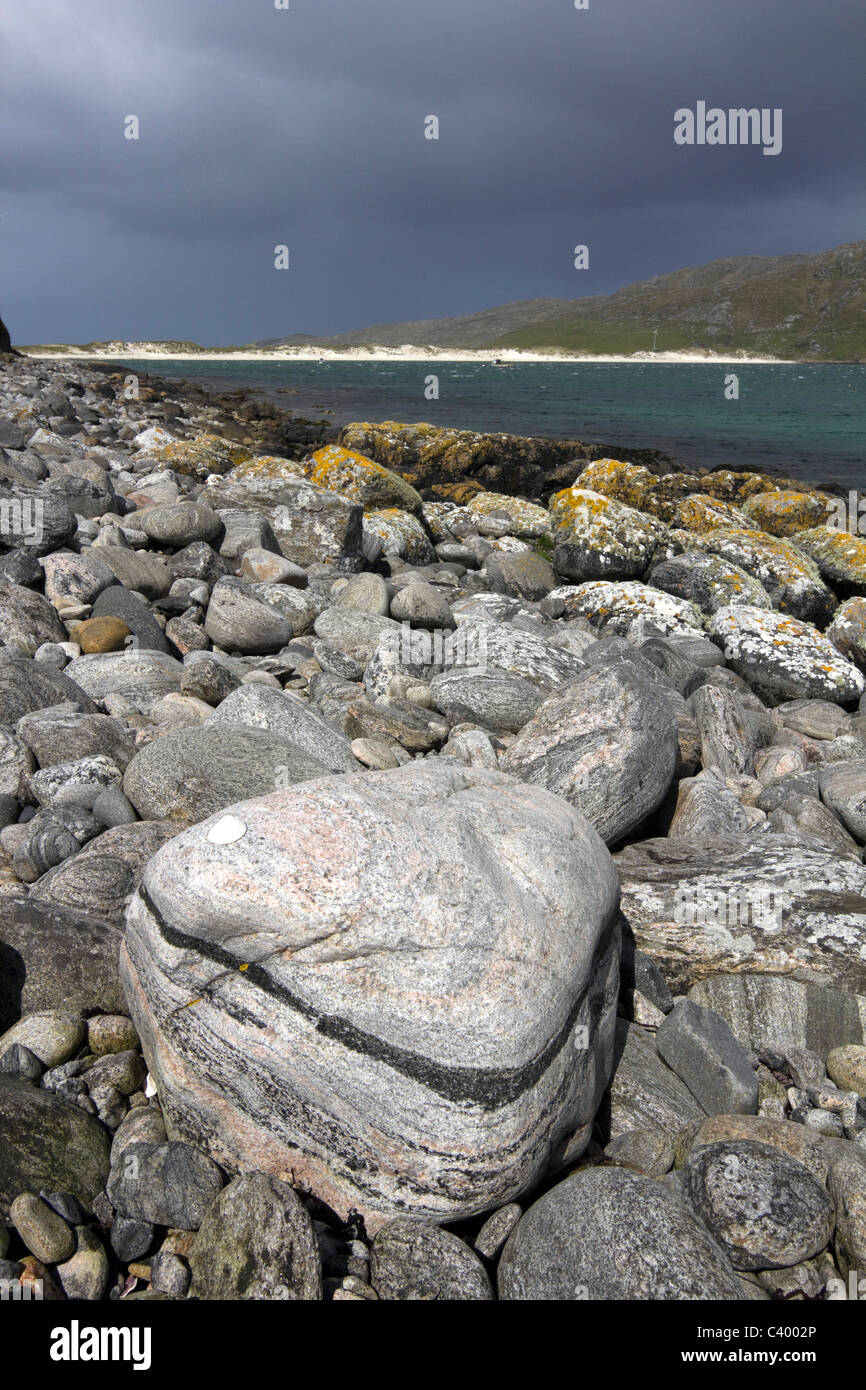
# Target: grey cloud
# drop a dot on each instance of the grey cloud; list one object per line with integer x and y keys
{"x": 261, "y": 126}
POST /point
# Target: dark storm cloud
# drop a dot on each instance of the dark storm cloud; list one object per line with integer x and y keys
{"x": 305, "y": 127}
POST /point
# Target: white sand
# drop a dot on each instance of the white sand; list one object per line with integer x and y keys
{"x": 407, "y": 353}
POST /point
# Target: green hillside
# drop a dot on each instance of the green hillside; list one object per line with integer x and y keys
{"x": 786, "y": 306}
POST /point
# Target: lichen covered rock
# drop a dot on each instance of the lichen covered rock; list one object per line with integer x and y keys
{"x": 789, "y": 576}
{"x": 401, "y": 534}
{"x": 617, "y": 606}
{"x": 354, "y": 475}
{"x": 839, "y": 555}
{"x": 596, "y": 537}
{"x": 787, "y": 512}
{"x": 784, "y": 659}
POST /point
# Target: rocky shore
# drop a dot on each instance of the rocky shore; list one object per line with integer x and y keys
{"x": 431, "y": 864}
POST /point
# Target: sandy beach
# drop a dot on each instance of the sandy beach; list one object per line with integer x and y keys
{"x": 123, "y": 351}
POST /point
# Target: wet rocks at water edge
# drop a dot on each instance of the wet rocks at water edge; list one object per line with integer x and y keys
{"x": 415, "y": 891}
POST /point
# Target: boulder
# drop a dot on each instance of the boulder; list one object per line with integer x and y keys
{"x": 495, "y": 699}
{"x": 181, "y": 524}
{"x": 135, "y": 569}
{"x": 27, "y": 685}
{"x": 790, "y": 578}
{"x": 357, "y": 1015}
{"x": 280, "y": 712}
{"x": 103, "y": 876}
{"x": 256, "y": 1242}
{"x": 117, "y": 602}
{"x": 50, "y": 953}
{"x": 839, "y": 555}
{"x": 412, "y": 1260}
{"x": 27, "y": 619}
{"x": 61, "y": 734}
{"x": 787, "y": 511}
{"x": 708, "y": 581}
{"x": 644, "y": 1093}
{"x": 606, "y": 1233}
{"x": 140, "y": 676}
{"x": 783, "y": 658}
{"x": 240, "y": 621}
{"x": 847, "y": 631}
{"x": 310, "y": 524}
{"x": 399, "y": 533}
{"x": 764, "y": 1208}
{"x": 619, "y": 606}
{"x": 595, "y": 537}
{"x": 843, "y": 789}
{"x": 191, "y": 773}
{"x": 607, "y": 744}
{"x": 362, "y": 480}
{"x": 699, "y": 1046}
{"x": 48, "y": 1144}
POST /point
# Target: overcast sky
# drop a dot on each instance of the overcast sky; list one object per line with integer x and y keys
{"x": 305, "y": 127}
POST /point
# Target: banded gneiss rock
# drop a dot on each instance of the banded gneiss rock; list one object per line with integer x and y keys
{"x": 404, "y": 982}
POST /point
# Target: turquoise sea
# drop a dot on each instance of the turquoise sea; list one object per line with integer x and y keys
{"x": 808, "y": 421}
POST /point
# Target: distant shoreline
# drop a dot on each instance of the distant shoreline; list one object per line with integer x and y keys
{"x": 149, "y": 350}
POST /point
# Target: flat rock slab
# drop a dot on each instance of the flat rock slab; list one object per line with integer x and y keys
{"x": 738, "y": 903}
{"x": 644, "y": 1093}
{"x": 699, "y": 1046}
{"x": 398, "y": 986}
{"x": 775, "y": 1011}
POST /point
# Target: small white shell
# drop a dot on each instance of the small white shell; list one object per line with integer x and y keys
{"x": 226, "y": 831}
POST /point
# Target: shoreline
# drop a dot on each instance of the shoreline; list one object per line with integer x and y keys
{"x": 144, "y": 351}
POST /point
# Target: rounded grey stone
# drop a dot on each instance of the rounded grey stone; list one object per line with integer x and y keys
{"x": 763, "y": 1206}
{"x": 256, "y": 1242}
{"x": 411, "y": 1259}
{"x": 605, "y": 1234}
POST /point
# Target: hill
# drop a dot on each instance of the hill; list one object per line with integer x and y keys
{"x": 803, "y": 306}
